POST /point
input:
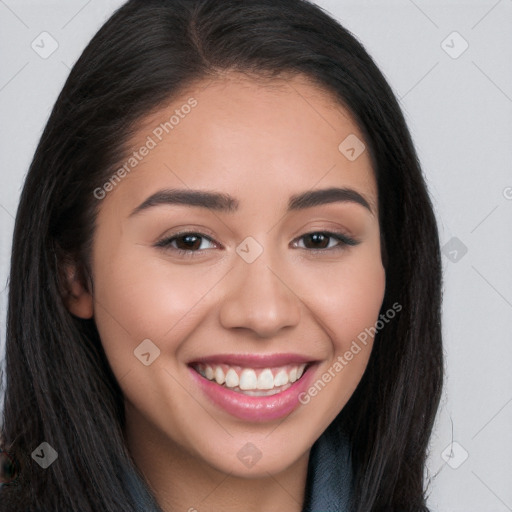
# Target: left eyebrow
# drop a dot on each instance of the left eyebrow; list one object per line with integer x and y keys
{"x": 327, "y": 195}
{"x": 226, "y": 203}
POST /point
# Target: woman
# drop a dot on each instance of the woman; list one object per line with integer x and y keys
{"x": 226, "y": 282}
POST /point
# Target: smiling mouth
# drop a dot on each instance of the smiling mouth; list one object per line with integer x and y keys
{"x": 252, "y": 381}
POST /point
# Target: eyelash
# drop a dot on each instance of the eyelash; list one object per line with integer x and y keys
{"x": 344, "y": 240}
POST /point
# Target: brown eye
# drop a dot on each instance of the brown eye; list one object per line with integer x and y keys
{"x": 322, "y": 240}
{"x": 316, "y": 241}
{"x": 185, "y": 242}
{"x": 188, "y": 242}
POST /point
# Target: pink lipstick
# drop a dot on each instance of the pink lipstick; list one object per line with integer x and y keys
{"x": 254, "y": 387}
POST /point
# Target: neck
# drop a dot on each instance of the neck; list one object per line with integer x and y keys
{"x": 183, "y": 482}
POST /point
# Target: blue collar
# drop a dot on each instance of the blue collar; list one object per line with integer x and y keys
{"x": 329, "y": 479}
{"x": 329, "y": 482}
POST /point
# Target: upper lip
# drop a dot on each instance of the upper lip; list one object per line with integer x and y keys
{"x": 254, "y": 360}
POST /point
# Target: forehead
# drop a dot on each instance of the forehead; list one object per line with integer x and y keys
{"x": 237, "y": 132}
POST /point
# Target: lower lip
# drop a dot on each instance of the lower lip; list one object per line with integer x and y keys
{"x": 255, "y": 408}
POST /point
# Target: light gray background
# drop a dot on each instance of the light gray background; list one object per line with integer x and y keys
{"x": 459, "y": 111}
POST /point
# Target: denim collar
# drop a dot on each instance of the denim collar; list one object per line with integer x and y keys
{"x": 329, "y": 478}
{"x": 330, "y": 481}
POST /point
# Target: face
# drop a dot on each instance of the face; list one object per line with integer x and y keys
{"x": 235, "y": 262}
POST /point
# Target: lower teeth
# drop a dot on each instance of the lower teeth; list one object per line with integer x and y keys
{"x": 260, "y": 392}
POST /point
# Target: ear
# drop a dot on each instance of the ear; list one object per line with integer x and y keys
{"x": 76, "y": 294}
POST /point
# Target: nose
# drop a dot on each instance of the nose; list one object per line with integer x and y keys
{"x": 260, "y": 299}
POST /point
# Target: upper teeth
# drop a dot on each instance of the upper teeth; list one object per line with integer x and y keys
{"x": 248, "y": 378}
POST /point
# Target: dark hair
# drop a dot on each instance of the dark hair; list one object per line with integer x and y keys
{"x": 60, "y": 388}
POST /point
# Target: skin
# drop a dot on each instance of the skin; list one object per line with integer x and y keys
{"x": 261, "y": 143}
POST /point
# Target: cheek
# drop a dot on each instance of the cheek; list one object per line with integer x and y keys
{"x": 346, "y": 297}
{"x": 347, "y": 309}
{"x": 359, "y": 299}
{"x": 139, "y": 297}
